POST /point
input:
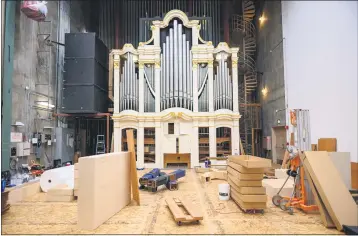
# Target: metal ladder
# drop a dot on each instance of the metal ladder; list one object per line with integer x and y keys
{"x": 100, "y": 145}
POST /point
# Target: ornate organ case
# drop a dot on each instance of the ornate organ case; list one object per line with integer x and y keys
{"x": 175, "y": 76}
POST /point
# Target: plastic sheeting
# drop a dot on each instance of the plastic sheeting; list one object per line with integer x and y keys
{"x": 36, "y": 10}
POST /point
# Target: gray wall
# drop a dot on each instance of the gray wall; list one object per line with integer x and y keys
{"x": 269, "y": 38}
{"x": 33, "y": 67}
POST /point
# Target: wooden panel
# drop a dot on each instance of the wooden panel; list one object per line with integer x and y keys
{"x": 246, "y": 205}
{"x": 327, "y": 144}
{"x": 247, "y": 190}
{"x": 325, "y": 217}
{"x": 241, "y": 176}
{"x": 133, "y": 166}
{"x": 20, "y": 193}
{"x": 314, "y": 147}
{"x": 331, "y": 188}
{"x": 59, "y": 198}
{"x": 342, "y": 161}
{"x": 192, "y": 209}
{"x": 250, "y": 161}
{"x": 245, "y": 183}
{"x": 61, "y": 190}
{"x": 245, "y": 170}
{"x": 174, "y": 208}
{"x": 177, "y": 158}
{"x": 354, "y": 174}
{"x": 105, "y": 188}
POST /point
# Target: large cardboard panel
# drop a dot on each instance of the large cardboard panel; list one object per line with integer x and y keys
{"x": 241, "y": 176}
{"x": 325, "y": 217}
{"x": 245, "y": 170}
{"x": 105, "y": 188}
{"x": 354, "y": 175}
{"x": 250, "y": 161}
{"x": 274, "y": 185}
{"x": 331, "y": 188}
{"x": 327, "y": 144}
{"x": 59, "y": 198}
{"x": 342, "y": 161}
{"x": 20, "y": 193}
{"x": 61, "y": 190}
{"x": 247, "y": 190}
{"x": 245, "y": 183}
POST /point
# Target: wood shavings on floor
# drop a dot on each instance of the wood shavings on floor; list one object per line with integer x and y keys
{"x": 36, "y": 216}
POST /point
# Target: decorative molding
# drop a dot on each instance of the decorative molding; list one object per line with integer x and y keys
{"x": 195, "y": 65}
{"x": 211, "y": 64}
{"x": 116, "y": 64}
{"x": 157, "y": 65}
{"x": 234, "y": 62}
{"x": 141, "y": 65}
{"x": 176, "y": 14}
{"x": 153, "y": 27}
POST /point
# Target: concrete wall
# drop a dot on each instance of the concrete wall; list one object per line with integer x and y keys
{"x": 321, "y": 67}
{"x": 270, "y": 63}
{"x": 34, "y": 66}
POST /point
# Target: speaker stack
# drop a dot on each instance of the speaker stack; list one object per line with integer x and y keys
{"x": 86, "y": 74}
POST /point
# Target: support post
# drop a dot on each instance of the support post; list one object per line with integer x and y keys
{"x": 141, "y": 87}
{"x": 235, "y": 138}
{"x": 157, "y": 86}
{"x": 116, "y": 73}
{"x": 235, "y": 82}
{"x": 117, "y": 132}
{"x": 212, "y": 139}
{"x": 140, "y": 145}
{"x": 195, "y": 87}
{"x": 194, "y": 159}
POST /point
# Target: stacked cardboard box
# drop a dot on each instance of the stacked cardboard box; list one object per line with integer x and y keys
{"x": 60, "y": 193}
{"x": 245, "y": 175}
{"x": 76, "y": 183}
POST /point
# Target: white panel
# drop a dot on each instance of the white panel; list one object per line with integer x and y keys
{"x": 324, "y": 65}
{"x": 184, "y": 144}
{"x": 169, "y": 144}
{"x": 185, "y": 128}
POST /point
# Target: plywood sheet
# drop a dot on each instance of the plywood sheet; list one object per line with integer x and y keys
{"x": 245, "y": 183}
{"x": 342, "y": 161}
{"x": 331, "y": 188}
{"x": 105, "y": 188}
{"x": 245, "y": 170}
{"x": 61, "y": 190}
{"x": 246, "y": 205}
{"x": 133, "y": 166}
{"x": 192, "y": 209}
{"x": 326, "y": 218}
{"x": 59, "y": 198}
{"x": 241, "y": 176}
{"x": 247, "y": 190}
{"x": 250, "y": 161}
{"x": 354, "y": 175}
{"x": 327, "y": 144}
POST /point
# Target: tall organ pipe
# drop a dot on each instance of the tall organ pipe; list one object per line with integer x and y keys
{"x": 167, "y": 72}
{"x": 225, "y": 85}
{"x": 180, "y": 53}
{"x": 171, "y": 91}
{"x": 176, "y": 80}
{"x": 190, "y": 72}
{"x": 184, "y": 71}
{"x": 162, "y": 82}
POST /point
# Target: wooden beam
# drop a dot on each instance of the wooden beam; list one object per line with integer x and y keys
{"x": 133, "y": 169}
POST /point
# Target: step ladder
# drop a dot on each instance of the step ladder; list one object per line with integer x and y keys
{"x": 100, "y": 145}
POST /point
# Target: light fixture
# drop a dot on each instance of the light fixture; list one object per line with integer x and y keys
{"x": 264, "y": 91}
{"x": 45, "y": 105}
{"x": 262, "y": 19}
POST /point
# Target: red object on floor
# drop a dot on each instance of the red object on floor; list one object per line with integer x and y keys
{"x": 35, "y": 10}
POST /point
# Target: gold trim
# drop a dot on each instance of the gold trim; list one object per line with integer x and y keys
{"x": 195, "y": 65}
{"x": 176, "y": 14}
{"x": 116, "y": 64}
{"x": 141, "y": 65}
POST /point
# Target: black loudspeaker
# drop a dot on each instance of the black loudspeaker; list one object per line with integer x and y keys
{"x": 85, "y": 86}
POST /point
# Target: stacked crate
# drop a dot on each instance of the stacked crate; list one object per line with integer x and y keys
{"x": 245, "y": 175}
{"x": 76, "y": 180}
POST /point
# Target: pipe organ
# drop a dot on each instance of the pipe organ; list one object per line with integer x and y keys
{"x": 175, "y": 79}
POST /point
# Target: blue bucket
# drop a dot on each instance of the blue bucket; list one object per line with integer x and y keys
{"x": 3, "y": 185}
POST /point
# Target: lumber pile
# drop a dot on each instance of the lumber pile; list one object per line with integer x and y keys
{"x": 245, "y": 175}
{"x": 334, "y": 201}
{"x": 76, "y": 182}
{"x": 60, "y": 193}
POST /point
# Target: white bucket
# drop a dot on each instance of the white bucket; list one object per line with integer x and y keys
{"x": 224, "y": 192}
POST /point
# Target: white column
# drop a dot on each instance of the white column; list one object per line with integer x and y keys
{"x": 195, "y": 34}
{"x": 157, "y": 86}
{"x": 235, "y": 138}
{"x": 141, "y": 88}
{"x": 140, "y": 145}
{"x": 211, "y": 86}
{"x": 116, "y": 74}
{"x": 195, "y": 87}
{"x": 159, "y": 162}
{"x": 235, "y": 82}
{"x": 117, "y": 139}
{"x": 212, "y": 139}
{"x": 156, "y": 32}
{"x": 194, "y": 159}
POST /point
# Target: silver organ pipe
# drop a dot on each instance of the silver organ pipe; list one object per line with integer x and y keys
{"x": 190, "y": 89}
{"x": 180, "y": 72}
{"x": 184, "y": 71}
{"x": 171, "y": 54}
{"x": 162, "y": 81}
{"x": 176, "y": 80}
{"x": 167, "y": 73}
{"x": 128, "y": 85}
{"x": 222, "y": 86}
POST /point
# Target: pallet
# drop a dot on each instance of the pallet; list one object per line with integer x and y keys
{"x": 249, "y": 211}
{"x": 195, "y": 215}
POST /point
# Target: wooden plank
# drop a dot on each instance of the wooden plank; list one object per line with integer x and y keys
{"x": 192, "y": 209}
{"x": 105, "y": 188}
{"x": 61, "y": 190}
{"x": 314, "y": 147}
{"x": 335, "y": 196}
{"x": 325, "y": 217}
{"x": 354, "y": 175}
{"x": 59, "y": 198}
{"x": 251, "y": 161}
{"x": 327, "y": 144}
{"x": 342, "y": 162}
{"x": 247, "y": 190}
{"x": 241, "y": 176}
{"x": 244, "y": 205}
{"x": 175, "y": 209}
{"x": 245, "y": 183}
{"x": 133, "y": 166}
{"x": 245, "y": 170}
